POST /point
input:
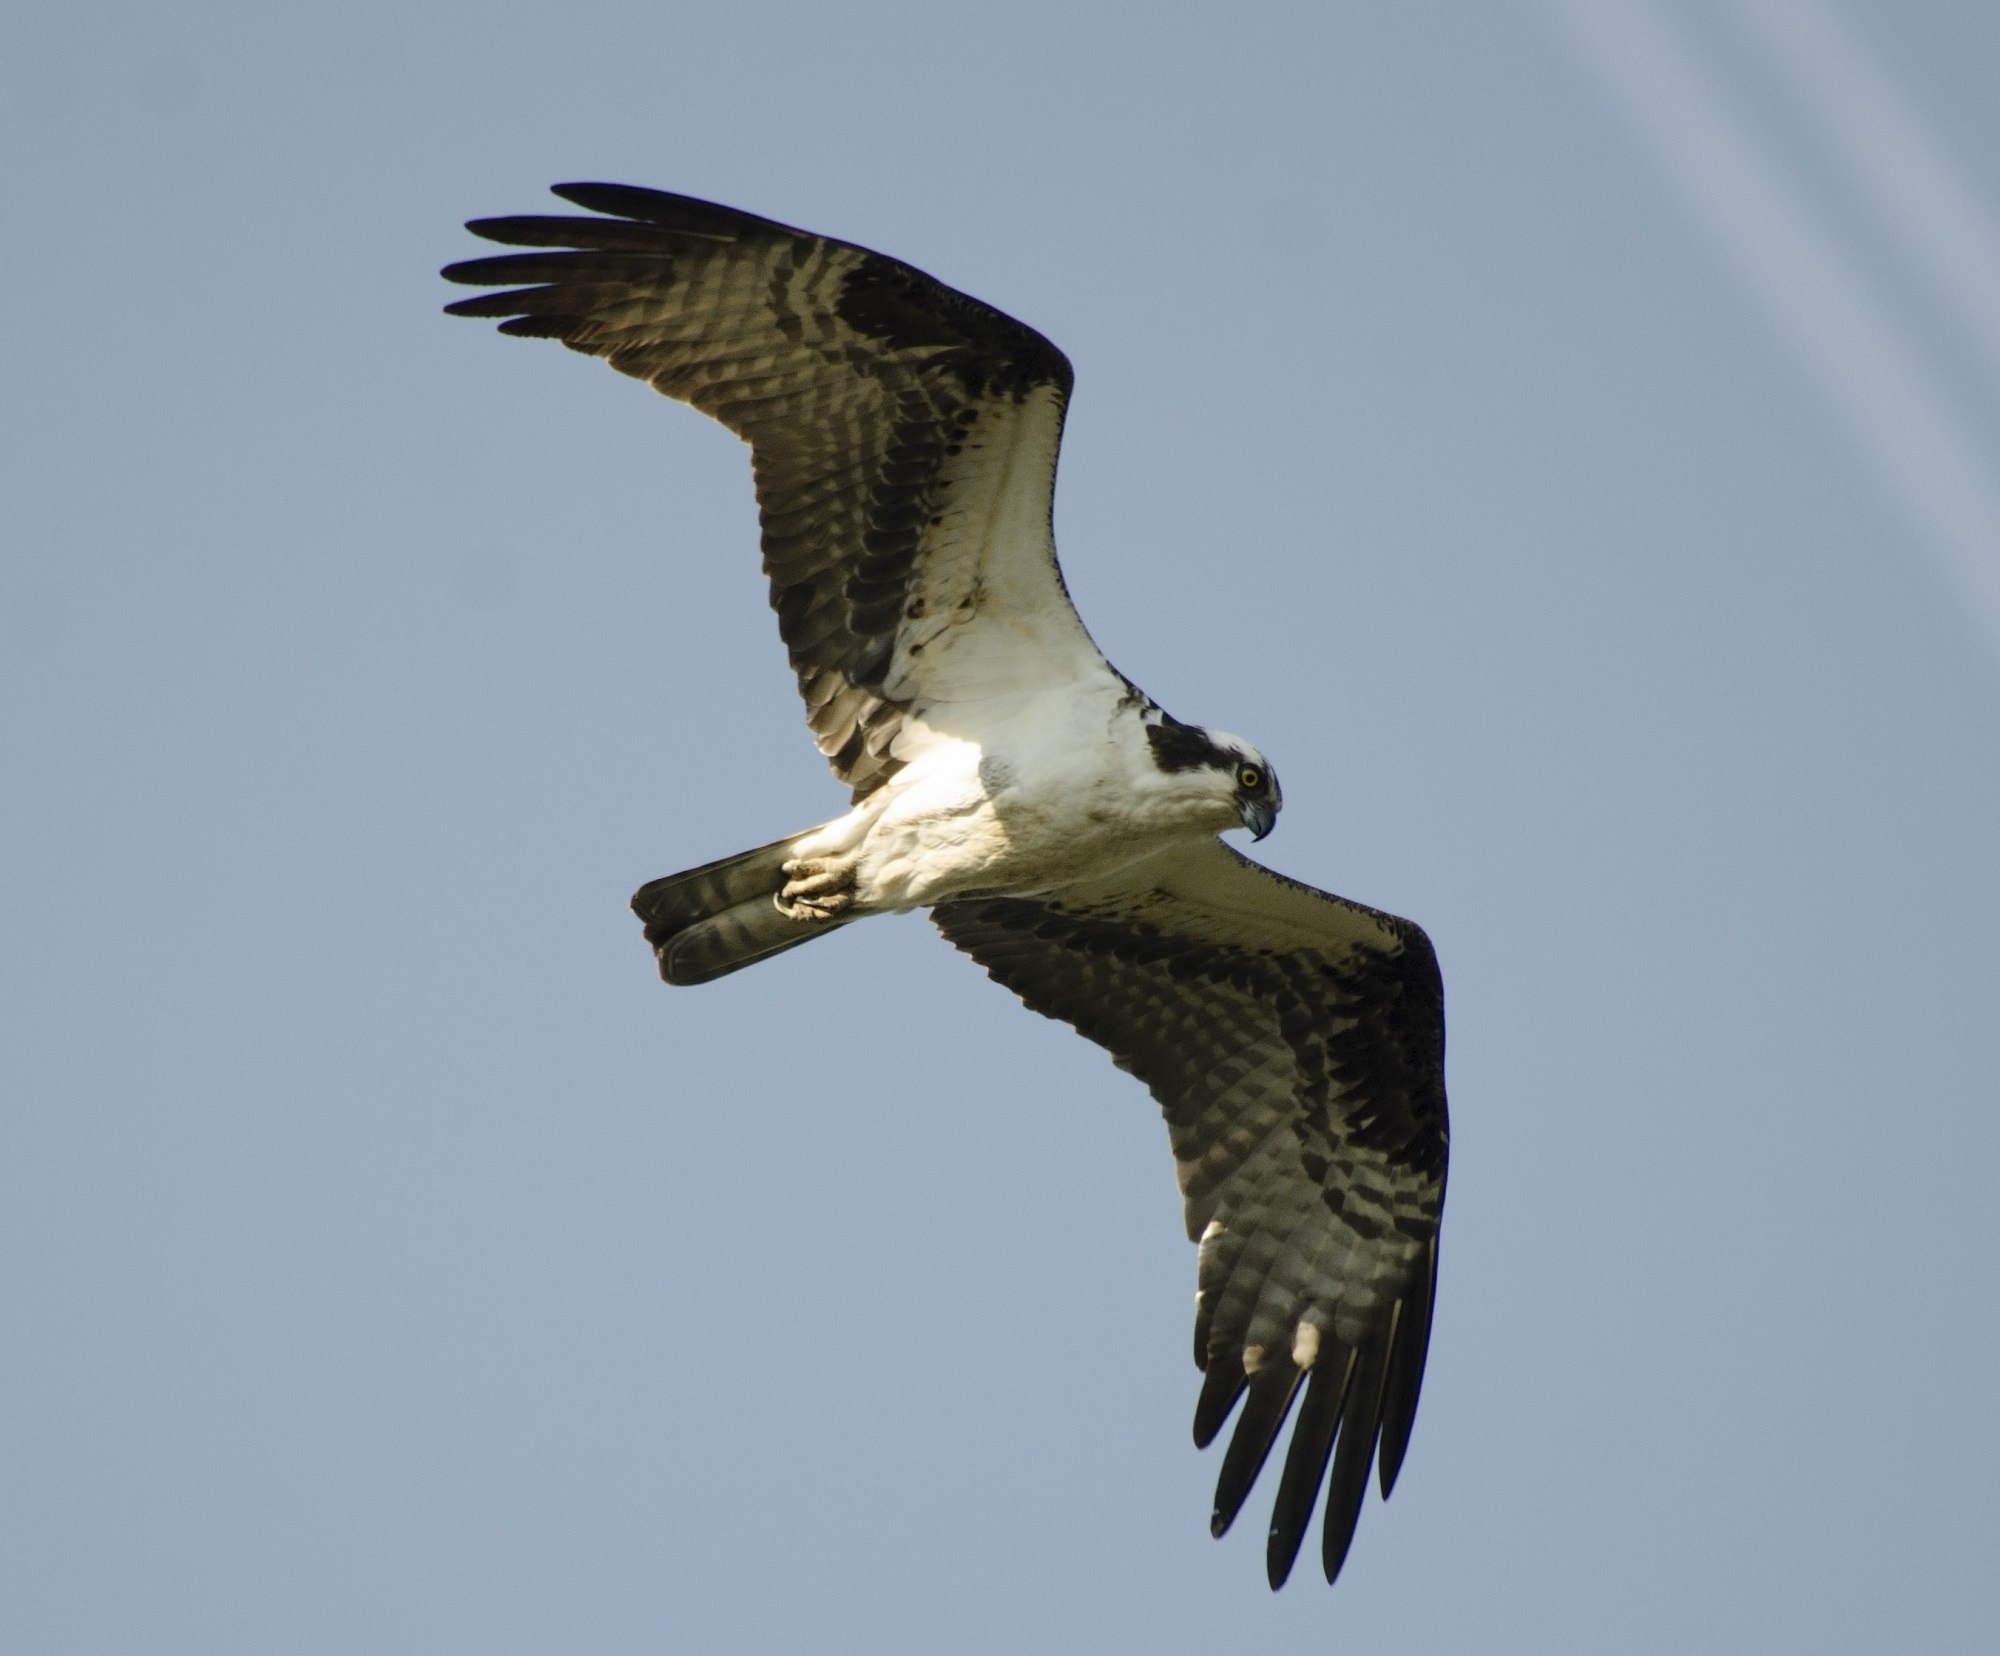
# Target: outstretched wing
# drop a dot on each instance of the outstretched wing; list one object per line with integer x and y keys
{"x": 1296, "y": 1043}
{"x": 903, "y": 438}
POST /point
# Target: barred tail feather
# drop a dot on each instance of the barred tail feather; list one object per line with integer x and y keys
{"x": 716, "y": 919}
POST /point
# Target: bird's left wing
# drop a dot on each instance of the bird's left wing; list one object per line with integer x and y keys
{"x": 1296, "y": 1043}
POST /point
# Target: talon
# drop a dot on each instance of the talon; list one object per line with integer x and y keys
{"x": 823, "y": 907}
{"x": 817, "y": 908}
{"x": 816, "y": 889}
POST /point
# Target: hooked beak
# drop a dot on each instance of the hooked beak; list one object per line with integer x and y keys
{"x": 1258, "y": 817}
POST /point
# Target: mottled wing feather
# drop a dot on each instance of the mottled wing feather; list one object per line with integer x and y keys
{"x": 1296, "y": 1044}
{"x": 903, "y": 435}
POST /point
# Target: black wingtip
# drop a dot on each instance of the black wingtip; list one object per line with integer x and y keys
{"x": 480, "y": 304}
{"x": 1219, "y": 1391}
{"x": 1389, "y": 1464}
{"x": 1409, "y": 1348}
{"x": 512, "y": 229}
{"x": 620, "y": 200}
{"x": 1305, "y": 1463}
{"x": 1347, "y": 1487}
{"x": 1334, "y": 1555}
{"x": 1271, "y": 1389}
{"x": 538, "y": 327}
{"x": 689, "y": 215}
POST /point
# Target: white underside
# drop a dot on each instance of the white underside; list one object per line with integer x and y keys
{"x": 1025, "y": 759}
{"x": 1018, "y": 795}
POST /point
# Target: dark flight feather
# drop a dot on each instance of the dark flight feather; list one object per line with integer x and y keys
{"x": 1305, "y": 1462}
{"x": 1265, "y": 1406}
{"x": 1219, "y": 1391}
{"x": 1351, "y": 1455}
{"x": 1408, "y": 1350}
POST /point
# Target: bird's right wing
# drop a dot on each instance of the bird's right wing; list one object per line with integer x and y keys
{"x": 1296, "y": 1043}
{"x": 903, "y": 437}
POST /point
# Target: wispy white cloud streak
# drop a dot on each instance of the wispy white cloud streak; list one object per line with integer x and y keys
{"x": 1903, "y": 168}
{"x": 1811, "y": 290}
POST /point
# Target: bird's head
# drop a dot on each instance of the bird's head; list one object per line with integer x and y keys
{"x": 1221, "y": 770}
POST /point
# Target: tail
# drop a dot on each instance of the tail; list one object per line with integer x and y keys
{"x": 719, "y": 918}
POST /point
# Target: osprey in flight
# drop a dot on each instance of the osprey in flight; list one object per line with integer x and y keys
{"x": 1058, "y": 823}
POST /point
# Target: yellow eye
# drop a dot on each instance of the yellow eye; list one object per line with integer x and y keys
{"x": 1249, "y": 779}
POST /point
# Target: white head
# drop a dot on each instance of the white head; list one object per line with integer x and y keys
{"x": 1219, "y": 769}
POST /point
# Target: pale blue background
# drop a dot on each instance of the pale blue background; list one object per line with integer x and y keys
{"x": 392, "y": 1265}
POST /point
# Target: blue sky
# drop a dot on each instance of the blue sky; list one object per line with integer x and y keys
{"x": 1560, "y": 434}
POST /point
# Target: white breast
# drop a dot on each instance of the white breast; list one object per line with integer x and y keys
{"x": 1019, "y": 794}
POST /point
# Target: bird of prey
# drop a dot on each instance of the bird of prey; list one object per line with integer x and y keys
{"x": 1061, "y": 827}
